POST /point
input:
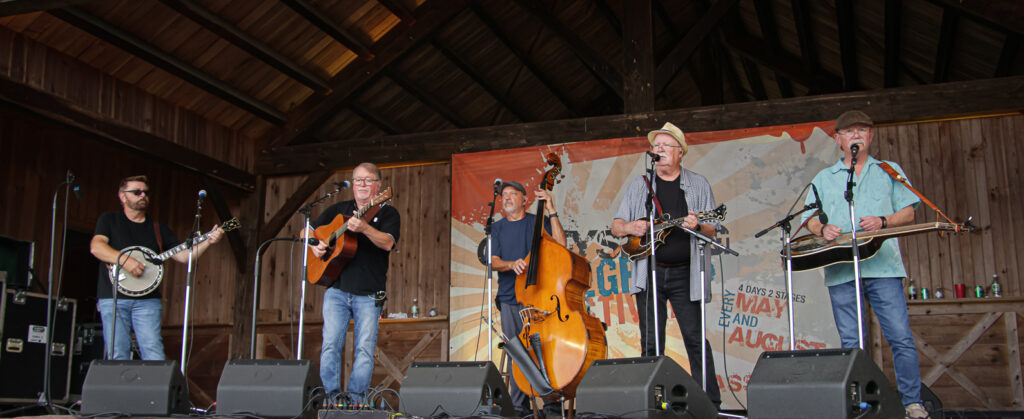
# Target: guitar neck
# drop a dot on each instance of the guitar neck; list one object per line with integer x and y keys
{"x": 901, "y": 231}
{"x": 184, "y": 245}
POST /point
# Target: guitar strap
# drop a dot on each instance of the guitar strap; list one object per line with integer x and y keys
{"x": 159, "y": 240}
{"x": 657, "y": 204}
{"x": 899, "y": 178}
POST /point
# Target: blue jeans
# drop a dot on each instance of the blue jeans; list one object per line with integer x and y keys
{"x": 339, "y": 308}
{"x": 887, "y": 299}
{"x": 141, "y": 316}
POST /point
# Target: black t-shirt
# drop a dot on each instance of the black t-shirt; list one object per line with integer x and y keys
{"x": 367, "y": 272}
{"x": 676, "y": 249}
{"x": 123, "y": 233}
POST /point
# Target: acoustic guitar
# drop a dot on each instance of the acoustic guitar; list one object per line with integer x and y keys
{"x": 812, "y": 252}
{"x": 137, "y": 286}
{"x": 341, "y": 243}
{"x": 639, "y": 247}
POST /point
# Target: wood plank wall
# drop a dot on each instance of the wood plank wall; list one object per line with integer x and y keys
{"x": 419, "y": 264}
{"x": 969, "y": 167}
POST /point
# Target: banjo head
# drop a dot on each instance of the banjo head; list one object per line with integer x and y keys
{"x": 137, "y": 286}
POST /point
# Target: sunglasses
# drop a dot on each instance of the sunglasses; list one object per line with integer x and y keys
{"x": 138, "y": 192}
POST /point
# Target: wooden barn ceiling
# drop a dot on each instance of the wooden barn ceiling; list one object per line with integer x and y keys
{"x": 295, "y": 73}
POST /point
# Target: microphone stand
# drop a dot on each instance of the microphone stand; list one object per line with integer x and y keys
{"x": 306, "y": 210}
{"x": 651, "y": 261}
{"x": 856, "y": 250}
{"x": 69, "y": 178}
{"x": 193, "y": 235}
{"x": 783, "y": 224}
{"x": 116, "y": 285}
{"x": 489, "y": 263}
{"x": 702, "y": 242}
{"x": 256, "y": 290}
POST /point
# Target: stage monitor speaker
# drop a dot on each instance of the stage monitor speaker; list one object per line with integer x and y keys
{"x": 454, "y": 388}
{"x": 825, "y": 383}
{"x": 274, "y": 388}
{"x": 134, "y": 388}
{"x": 650, "y": 387}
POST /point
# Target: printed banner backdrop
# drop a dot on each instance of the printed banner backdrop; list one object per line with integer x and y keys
{"x": 758, "y": 173}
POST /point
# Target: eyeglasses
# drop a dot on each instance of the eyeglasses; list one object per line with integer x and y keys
{"x": 657, "y": 146}
{"x": 365, "y": 181}
{"x": 138, "y": 192}
{"x": 850, "y": 131}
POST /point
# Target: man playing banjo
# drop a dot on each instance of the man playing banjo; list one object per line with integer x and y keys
{"x": 116, "y": 231}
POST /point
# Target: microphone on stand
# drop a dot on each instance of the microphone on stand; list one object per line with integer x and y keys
{"x": 654, "y": 156}
{"x": 75, "y": 187}
{"x": 202, "y": 195}
{"x": 497, "y": 186}
{"x": 822, "y": 217}
{"x": 343, "y": 184}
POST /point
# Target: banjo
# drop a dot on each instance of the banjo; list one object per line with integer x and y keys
{"x": 137, "y": 286}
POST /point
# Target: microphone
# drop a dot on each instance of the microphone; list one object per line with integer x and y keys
{"x": 75, "y": 187}
{"x": 822, "y": 217}
{"x": 654, "y": 156}
{"x": 497, "y": 186}
{"x": 343, "y": 184}
{"x": 202, "y": 195}
{"x": 854, "y": 148}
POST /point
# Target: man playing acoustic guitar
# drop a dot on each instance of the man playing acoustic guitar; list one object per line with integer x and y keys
{"x": 880, "y": 202}
{"x": 114, "y": 232}
{"x": 358, "y": 291}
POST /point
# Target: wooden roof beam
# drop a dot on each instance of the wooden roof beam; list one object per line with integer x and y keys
{"x": 340, "y": 34}
{"x": 430, "y": 17}
{"x": 681, "y": 53}
{"x": 754, "y": 79}
{"x": 884, "y": 106}
{"x": 524, "y": 58}
{"x": 463, "y": 66}
{"x": 64, "y": 112}
{"x": 398, "y": 9}
{"x": 947, "y": 40}
{"x": 1008, "y": 55}
{"x": 427, "y": 98}
{"x": 766, "y": 19}
{"x": 805, "y": 35}
{"x": 893, "y": 20}
{"x": 19, "y": 7}
{"x": 606, "y": 72}
{"x": 637, "y": 58}
{"x": 135, "y": 46}
{"x": 1007, "y": 15}
{"x": 376, "y": 119}
{"x": 609, "y": 15}
{"x": 782, "y": 63}
{"x": 231, "y": 33}
{"x": 847, "y": 44}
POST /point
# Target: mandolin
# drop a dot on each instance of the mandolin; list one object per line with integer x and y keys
{"x": 639, "y": 247}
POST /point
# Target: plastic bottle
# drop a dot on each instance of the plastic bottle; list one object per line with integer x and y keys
{"x": 415, "y": 309}
{"x": 912, "y": 289}
{"x": 997, "y": 288}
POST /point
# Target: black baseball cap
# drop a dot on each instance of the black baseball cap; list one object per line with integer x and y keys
{"x": 512, "y": 184}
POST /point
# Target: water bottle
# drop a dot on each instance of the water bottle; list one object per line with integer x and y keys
{"x": 997, "y": 288}
{"x": 912, "y": 290}
{"x": 415, "y": 309}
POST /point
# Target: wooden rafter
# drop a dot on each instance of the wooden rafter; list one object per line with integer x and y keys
{"x": 524, "y": 58}
{"x": 888, "y": 105}
{"x": 231, "y": 33}
{"x": 766, "y": 19}
{"x": 606, "y": 72}
{"x": 340, "y": 34}
{"x": 63, "y": 112}
{"x": 847, "y": 44}
{"x": 18, "y": 7}
{"x": 146, "y": 51}
{"x": 1007, "y": 15}
{"x": 427, "y": 98}
{"x": 376, "y": 119}
{"x": 398, "y": 9}
{"x": 805, "y": 35}
{"x": 681, "y": 53}
{"x": 1008, "y": 55}
{"x": 893, "y": 20}
{"x": 782, "y": 63}
{"x": 430, "y": 17}
{"x": 487, "y": 85}
{"x": 753, "y": 74}
{"x": 944, "y": 51}
{"x": 609, "y": 15}
{"x": 637, "y": 58}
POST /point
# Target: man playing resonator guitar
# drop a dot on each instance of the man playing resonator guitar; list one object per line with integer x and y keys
{"x": 880, "y": 203}
{"x": 118, "y": 230}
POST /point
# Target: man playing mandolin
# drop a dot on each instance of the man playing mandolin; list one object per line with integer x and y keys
{"x": 880, "y": 202}
{"x": 679, "y": 191}
{"x": 116, "y": 231}
{"x": 511, "y": 244}
{"x": 358, "y": 293}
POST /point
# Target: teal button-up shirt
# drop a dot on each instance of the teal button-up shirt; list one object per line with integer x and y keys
{"x": 876, "y": 194}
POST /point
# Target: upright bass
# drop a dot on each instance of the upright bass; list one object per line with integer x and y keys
{"x": 561, "y": 337}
